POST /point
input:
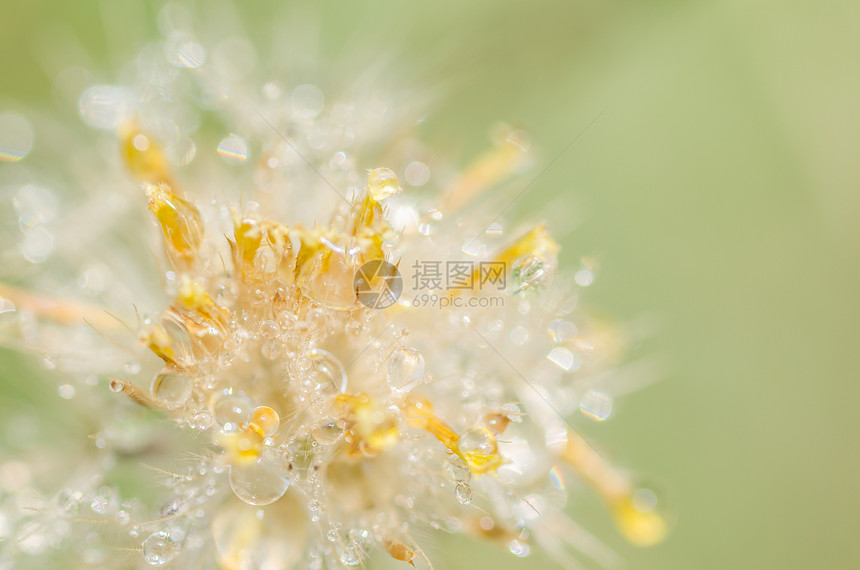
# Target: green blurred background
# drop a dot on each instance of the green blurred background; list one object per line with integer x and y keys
{"x": 718, "y": 190}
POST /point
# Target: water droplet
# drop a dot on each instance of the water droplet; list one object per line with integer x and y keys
{"x": 350, "y": 555}
{"x": 405, "y": 370}
{"x": 99, "y": 504}
{"x": 16, "y": 137}
{"x": 584, "y": 277}
{"x": 519, "y": 548}
{"x": 561, "y": 330}
{"x": 457, "y": 470}
{"x": 477, "y": 440}
{"x": 34, "y": 206}
{"x": 172, "y": 507}
{"x": 271, "y": 349}
{"x": 260, "y": 483}
{"x": 66, "y": 391}
{"x": 269, "y": 329}
{"x": 232, "y": 410}
{"x": 202, "y": 420}
{"x": 266, "y": 420}
{"x": 463, "y": 493}
{"x": 233, "y": 149}
{"x": 530, "y": 273}
{"x": 328, "y": 374}
{"x": 417, "y": 173}
{"x": 557, "y": 477}
{"x": 184, "y": 52}
{"x": 172, "y": 389}
{"x": 644, "y": 500}
{"x": 563, "y": 358}
{"x": 639, "y": 517}
{"x": 513, "y": 412}
{"x": 479, "y": 448}
{"x": 159, "y": 548}
{"x": 104, "y": 106}
{"x": 37, "y": 245}
{"x": 596, "y": 405}
{"x": 307, "y": 101}
{"x": 382, "y": 183}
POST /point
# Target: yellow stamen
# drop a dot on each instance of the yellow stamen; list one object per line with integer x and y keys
{"x": 143, "y": 157}
{"x": 370, "y": 427}
{"x": 180, "y": 222}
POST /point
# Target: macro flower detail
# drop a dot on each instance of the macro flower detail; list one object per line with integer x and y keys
{"x": 290, "y": 422}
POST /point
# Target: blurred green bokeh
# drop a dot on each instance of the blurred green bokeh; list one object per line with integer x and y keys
{"x": 718, "y": 190}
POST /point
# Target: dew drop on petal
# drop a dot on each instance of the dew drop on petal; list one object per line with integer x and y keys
{"x": 233, "y": 149}
{"x": 188, "y": 54}
{"x": 327, "y": 372}
{"x": 37, "y": 245}
{"x": 172, "y": 389}
{"x": 584, "y": 277}
{"x": 463, "y": 493}
{"x": 519, "y": 548}
{"x": 202, "y": 420}
{"x": 561, "y": 330}
{"x": 405, "y": 370}
{"x": 530, "y": 273}
{"x": 159, "y": 549}
{"x": 562, "y": 357}
{"x": 557, "y": 477}
{"x": 34, "y": 206}
{"x": 232, "y": 410}
{"x": 104, "y": 106}
{"x": 260, "y": 483}
{"x": 512, "y": 412}
{"x": 266, "y": 420}
{"x": 596, "y": 405}
{"x": 16, "y": 137}
{"x": 382, "y": 183}
{"x": 417, "y": 174}
{"x": 307, "y": 101}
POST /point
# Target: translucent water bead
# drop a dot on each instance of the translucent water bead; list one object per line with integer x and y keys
{"x": 479, "y": 449}
{"x": 328, "y": 376}
{"x": 231, "y": 410}
{"x": 463, "y": 493}
{"x": 265, "y": 421}
{"x": 382, "y": 183}
{"x": 233, "y": 149}
{"x": 531, "y": 273}
{"x": 260, "y": 483}
{"x": 405, "y": 370}
{"x": 596, "y": 405}
{"x": 172, "y": 389}
{"x": 159, "y": 548}
{"x": 16, "y": 137}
